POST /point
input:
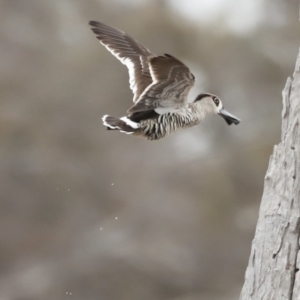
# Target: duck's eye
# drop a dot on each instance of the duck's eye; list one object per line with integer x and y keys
{"x": 216, "y": 100}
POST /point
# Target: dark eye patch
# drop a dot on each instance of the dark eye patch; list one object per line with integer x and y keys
{"x": 216, "y": 100}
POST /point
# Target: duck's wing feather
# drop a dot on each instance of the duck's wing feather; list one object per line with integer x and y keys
{"x": 130, "y": 52}
{"x": 172, "y": 81}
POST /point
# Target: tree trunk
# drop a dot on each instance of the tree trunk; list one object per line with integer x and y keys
{"x": 272, "y": 272}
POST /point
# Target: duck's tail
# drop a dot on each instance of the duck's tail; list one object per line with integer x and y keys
{"x": 123, "y": 124}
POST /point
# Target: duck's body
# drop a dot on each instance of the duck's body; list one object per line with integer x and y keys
{"x": 161, "y": 85}
{"x": 154, "y": 126}
{"x": 165, "y": 124}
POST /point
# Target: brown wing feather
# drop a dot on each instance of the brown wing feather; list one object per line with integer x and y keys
{"x": 130, "y": 52}
{"x": 172, "y": 81}
{"x": 164, "y": 67}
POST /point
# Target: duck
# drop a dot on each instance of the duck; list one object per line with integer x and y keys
{"x": 160, "y": 86}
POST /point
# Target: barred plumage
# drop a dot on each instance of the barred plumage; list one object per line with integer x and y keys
{"x": 164, "y": 125}
{"x": 160, "y": 85}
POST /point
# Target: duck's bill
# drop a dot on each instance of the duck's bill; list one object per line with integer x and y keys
{"x": 228, "y": 117}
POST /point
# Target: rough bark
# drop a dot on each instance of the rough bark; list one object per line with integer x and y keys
{"x": 272, "y": 272}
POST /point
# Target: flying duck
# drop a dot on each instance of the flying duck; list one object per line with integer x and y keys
{"x": 160, "y": 86}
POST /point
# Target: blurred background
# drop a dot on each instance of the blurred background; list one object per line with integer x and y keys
{"x": 93, "y": 214}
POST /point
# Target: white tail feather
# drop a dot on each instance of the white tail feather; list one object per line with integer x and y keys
{"x": 130, "y": 123}
{"x": 108, "y": 125}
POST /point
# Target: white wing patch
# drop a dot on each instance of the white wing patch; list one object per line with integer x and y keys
{"x": 154, "y": 80}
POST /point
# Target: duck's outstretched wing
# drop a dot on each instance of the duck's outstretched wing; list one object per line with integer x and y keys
{"x": 172, "y": 81}
{"x": 130, "y": 52}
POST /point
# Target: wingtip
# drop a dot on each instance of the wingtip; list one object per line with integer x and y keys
{"x": 93, "y": 23}
{"x": 95, "y": 27}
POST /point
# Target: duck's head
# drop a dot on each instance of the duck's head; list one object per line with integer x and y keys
{"x": 212, "y": 103}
